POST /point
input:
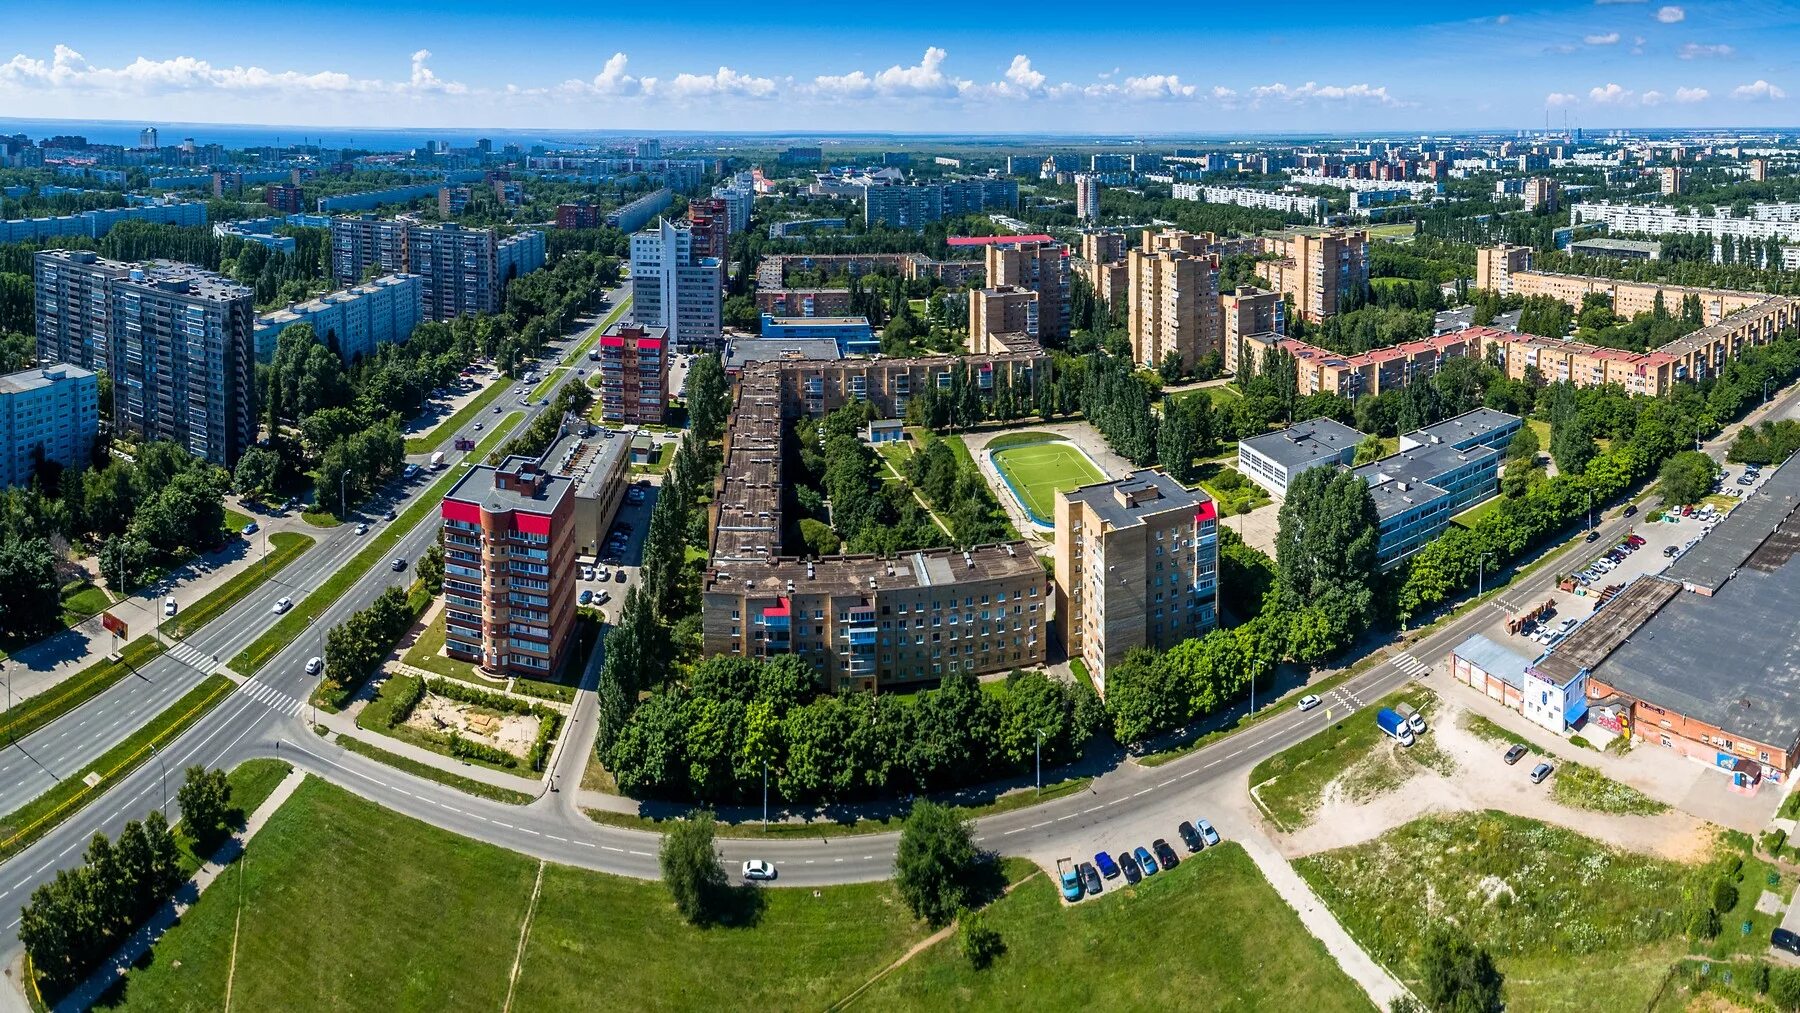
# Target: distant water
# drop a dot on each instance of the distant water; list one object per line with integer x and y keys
{"x": 234, "y": 135}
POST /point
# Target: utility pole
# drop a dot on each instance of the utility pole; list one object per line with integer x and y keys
{"x": 1481, "y": 573}
{"x": 1040, "y": 761}
{"x": 765, "y": 796}
{"x": 343, "y": 498}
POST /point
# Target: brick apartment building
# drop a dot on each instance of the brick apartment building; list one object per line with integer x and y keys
{"x": 634, "y": 373}
{"x": 1319, "y": 271}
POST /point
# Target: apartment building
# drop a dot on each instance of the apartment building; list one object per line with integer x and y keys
{"x": 1763, "y": 223}
{"x": 674, "y": 288}
{"x": 710, "y": 222}
{"x": 284, "y": 198}
{"x": 1629, "y": 298}
{"x": 352, "y": 322}
{"x": 995, "y": 314}
{"x": 52, "y": 412}
{"x": 1321, "y": 370}
{"x": 818, "y": 388}
{"x": 365, "y": 243}
{"x": 635, "y": 214}
{"x": 1320, "y": 271}
{"x": 1174, "y": 302}
{"x": 1136, "y": 566}
{"x": 510, "y": 567}
{"x": 1103, "y": 247}
{"x": 94, "y": 224}
{"x": 1249, "y": 314}
{"x": 1496, "y": 265}
{"x": 579, "y": 215}
{"x": 1314, "y": 208}
{"x": 1087, "y": 197}
{"x": 1542, "y": 192}
{"x": 803, "y": 302}
{"x": 463, "y": 270}
{"x": 1671, "y": 178}
{"x": 73, "y": 295}
{"x": 634, "y": 373}
{"x": 772, "y": 271}
{"x": 915, "y": 205}
{"x": 1042, "y": 267}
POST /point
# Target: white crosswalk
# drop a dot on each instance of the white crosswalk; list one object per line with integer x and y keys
{"x": 192, "y": 658}
{"x": 1411, "y": 665}
{"x": 272, "y": 698}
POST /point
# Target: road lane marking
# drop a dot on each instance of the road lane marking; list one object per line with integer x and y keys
{"x": 646, "y": 854}
{"x": 608, "y": 847}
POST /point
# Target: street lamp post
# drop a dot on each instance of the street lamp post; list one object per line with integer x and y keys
{"x": 765, "y": 796}
{"x": 1481, "y": 573}
{"x": 164, "y": 764}
{"x": 343, "y": 497}
{"x": 1040, "y": 761}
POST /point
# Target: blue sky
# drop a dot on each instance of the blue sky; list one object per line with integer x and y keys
{"x": 1047, "y": 66}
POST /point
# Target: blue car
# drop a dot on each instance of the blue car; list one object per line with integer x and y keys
{"x": 1145, "y": 859}
{"x": 1207, "y": 833}
{"x": 250, "y": 528}
{"x": 1071, "y": 885}
{"x": 1108, "y": 867}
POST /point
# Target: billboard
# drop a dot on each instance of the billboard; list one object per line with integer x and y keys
{"x": 118, "y": 627}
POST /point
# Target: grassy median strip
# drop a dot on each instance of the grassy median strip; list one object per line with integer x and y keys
{"x": 287, "y": 547}
{"x": 466, "y": 785}
{"x": 462, "y": 417}
{"x": 39, "y": 816}
{"x": 40, "y": 710}
{"x": 302, "y": 617}
{"x": 586, "y": 343}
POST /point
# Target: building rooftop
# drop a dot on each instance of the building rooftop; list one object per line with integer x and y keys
{"x": 482, "y": 487}
{"x": 1463, "y": 430}
{"x": 41, "y": 377}
{"x": 1305, "y": 443}
{"x": 816, "y": 321}
{"x": 1751, "y": 525}
{"x": 1125, "y": 502}
{"x": 741, "y": 352}
{"x": 588, "y": 461}
{"x": 1602, "y": 244}
{"x": 868, "y": 573}
{"x": 1401, "y": 481}
{"x": 1496, "y": 659}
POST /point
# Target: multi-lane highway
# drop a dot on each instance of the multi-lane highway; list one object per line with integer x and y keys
{"x": 264, "y": 718}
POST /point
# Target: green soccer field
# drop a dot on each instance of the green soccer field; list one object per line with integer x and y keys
{"x": 1038, "y": 471}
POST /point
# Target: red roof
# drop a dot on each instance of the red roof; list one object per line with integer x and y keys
{"x": 995, "y": 240}
{"x": 1207, "y": 512}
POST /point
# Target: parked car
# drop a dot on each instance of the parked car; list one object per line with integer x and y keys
{"x": 250, "y": 528}
{"x": 1108, "y": 867}
{"x": 619, "y": 575}
{"x": 585, "y": 597}
{"x": 1541, "y": 771}
{"x": 1165, "y": 855}
{"x": 1308, "y": 702}
{"x": 1207, "y": 833}
{"x": 1669, "y": 550}
{"x": 1090, "y": 878}
{"x": 603, "y": 575}
{"x": 587, "y": 573}
{"x": 169, "y": 606}
{"x": 1746, "y": 480}
{"x": 603, "y": 597}
{"x": 1145, "y": 859}
{"x": 1637, "y": 540}
{"x": 1514, "y": 753}
{"x": 1129, "y": 866}
{"x": 1190, "y": 836}
{"x": 757, "y": 869}
{"x": 1785, "y": 939}
{"x": 390, "y": 515}
{"x": 1071, "y": 885}
{"x": 315, "y": 665}
{"x": 283, "y": 605}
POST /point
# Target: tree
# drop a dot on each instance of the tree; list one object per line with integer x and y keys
{"x": 1456, "y": 976}
{"x": 256, "y": 473}
{"x": 30, "y": 596}
{"x": 1686, "y": 477}
{"x": 937, "y": 863}
{"x": 1326, "y": 549}
{"x": 691, "y": 869}
{"x": 204, "y": 799}
{"x": 1524, "y": 446}
{"x": 431, "y": 569}
{"x": 1571, "y": 446}
{"x": 1368, "y": 450}
{"x": 1784, "y": 988}
{"x": 981, "y": 945}
{"x": 123, "y": 561}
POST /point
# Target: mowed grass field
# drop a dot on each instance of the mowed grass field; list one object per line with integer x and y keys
{"x": 1040, "y": 470}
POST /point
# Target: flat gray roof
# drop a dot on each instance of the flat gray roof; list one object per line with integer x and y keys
{"x": 1496, "y": 659}
{"x": 1714, "y": 559}
{"x": 1400, "y": 481}
{"x": 741, "y": 352}
{"x": 1619, "y": 245}
{"x": 1469, "y": 427}
{"x": 590, "y": 459}
{"x": 478, "y": 487}
{"x": 1102, "y": 497}
{"x": 41, "y": 377}
{"x": 1305, "y": 443}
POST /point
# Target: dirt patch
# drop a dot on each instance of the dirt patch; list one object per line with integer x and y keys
{"x": 513, "y": 733}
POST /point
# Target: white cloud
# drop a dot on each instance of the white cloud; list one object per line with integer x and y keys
{"x": 1311, "y": 91}
{"x": 926, "y": 77}
{"x": 1021, "y": 74}
{"x": 1692, "y": 94}
{"x": 1637, "y": 45}
{"x": 1652, "y": 98}
{"x": 1612, "y": 94}
{"x": 1670, "y": 15}
{"x": 1504, "y": 19}
{"x": 611, "y": 81}
{"x": 69, "y": 70}
{"x": 1158, "y": 86}
{"x": 1610, "y": 38}
{"x": 1757, "y": 91}
{"x": 1695, "y": 51}
{"x": 723, "y": 82}
{"x": 1559, "y": 98}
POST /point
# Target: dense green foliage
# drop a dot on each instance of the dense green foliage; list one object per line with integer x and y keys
{"x": 1457, "y": 976}
{"x": 205, "y": 800}
{"x": 354, "y": 648}
{"x": 958, "y": 493}
{"x": 1326, "y": 548}
{"x": 937, "y": 868}
{"x": 1686, "y": 477}
{"x": 691, "y": 869}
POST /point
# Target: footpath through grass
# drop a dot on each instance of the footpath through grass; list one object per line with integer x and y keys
{"x": 466, "y": 785}
{"x": 1291, "y": 784}
{"x": 308, "y": 611}
{"x": 1210, "y": 932}
{"x": 285, "y": 547}
{"x": 38, "y": 711}
{"x": 446, "y": 931}
{"x": 20, "y": 828}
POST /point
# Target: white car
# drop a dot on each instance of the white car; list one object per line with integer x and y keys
{"x": 168, "y": 606}
{"x": 314, "y": 665}
{"x": 757, "y": 869}
{"x": 362, "y": 529}
{"x": 602, "y": 575}
{"x": 283, "y": 605}
{"x": 1308, "y": 702}
{"x": 587, "y": 573}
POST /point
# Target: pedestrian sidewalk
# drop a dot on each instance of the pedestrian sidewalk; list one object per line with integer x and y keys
{"x": 496, "y": 688}
{"x": 48, "y": 662}
{"x": 344, "y": 726}
{"x": 138, "y": 943}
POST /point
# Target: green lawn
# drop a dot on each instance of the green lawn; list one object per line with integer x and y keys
{"x": 1209, "y": 933}
{"x": 1560, "y": 912}
{"x": 445, "y": 932}
{"x": 1291, "y": 784}
{"x": 466, "y": 785}
{"x": 427, "y": 652}
{"x": 665, "y": 454}
{"x": 1470, "y": 517}
{"x": 320, "y": 518}
{"x": 235, "y": 521}
{"x": 1040, "y": 470}
{"x": 1583, "y": 787}
{"x": 252, "y": 782}
{"x": 1234, "y": 493}
{"x": 1393, "y": 230}
{"x": 80, "y": 605}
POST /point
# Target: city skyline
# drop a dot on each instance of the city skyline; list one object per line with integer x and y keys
{"x": 1597, "y": 64}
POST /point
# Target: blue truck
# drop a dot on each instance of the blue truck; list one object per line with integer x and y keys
{"x": 1394, "y": 726}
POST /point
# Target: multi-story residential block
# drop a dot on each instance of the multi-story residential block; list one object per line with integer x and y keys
{"x": 94, "y": 224}
{"x": 673, "y": 288}
{"x": 913, "y": 206}
{"x": 997, "y": 315}
{"x": 710, "y": 222}
{"x": 1673, "y": 178}
{"x": 351, "y": 322}
{"x": 1759, "y": 170}
{"x": 1495, "y": 266}
{"x": 579, "y": 215}
{"x": 284, "y": 198}
{"x": 1320, "y": 370}
{"x": 368, "y": 200}
{"x": 635, "y": 215}
{"x": 1319, "y": 271}
{"x": 363, "y": 244}
{"x": 737, "y": 194}
{"x": 1542, "y": 192}
{"x": 510, "y": 567}
{"x": 803, "y": 302}
{"x": 1250, "y": 315}
{"x": 634, "y": 373}
{"x": 460, "y": 268}
{"x": 1174, "y": 302}
{"x": 1274, "y": 460}
{"x": 1765, "y": 221}
{"x": 1042, "y": 267}
{"x": 1103, "y": 247}
{"x": 73, "y": 294}
{"x": 1136, "y": 566}
{"x": 1087, "y": 197}
{"x": 49, "y": 414}
{"x": 772, "y": 271}
{"x": 1314, "y": 208}
{"x": 1616, "y": 249}
{"x": 518, "y": 255}
{"x": 453, "y": 200}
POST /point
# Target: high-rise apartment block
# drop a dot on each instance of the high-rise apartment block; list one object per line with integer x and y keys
{"x": 463, "y": 270}
{"x": 1320, "y": 271}
{"x": 50, "y": 413}
{"x": 710, "y": 222}
{"x": 1103, "y": 247}
{"x": 1137, "y": 565}
{"x": 1087, "y": 197}
{"x": 1673, "y": 178}
{"x": 1251, "y": 316}
{"x": 673, "y": 288}
{"x": 1495, "y": 266}
{"x": 1041, "y": 267}
{"x": 913, "y": 206}
{"x": 174, "y": 340}
{"x": 1174, "y": 301}
{"x": 580, "y": 215}
{"x": 996, "y": 315}
{"x": 634, "y": 373}
{"x": 510, "y": 567}
{"x": 284, "y": 198}
{"x": 352, "y": 322}
{"x": 1103, "y": 261}
{"x": 1759, "y": 170}
{"x": 364, "y": 245}
{"x": 1542, "y": 192}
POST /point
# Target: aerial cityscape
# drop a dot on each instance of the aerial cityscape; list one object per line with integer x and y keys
{"x": 568, "y": 509}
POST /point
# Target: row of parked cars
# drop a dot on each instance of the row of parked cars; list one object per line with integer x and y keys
{"x": 1136, "y": 863}
{"x": 1614, "y": 558}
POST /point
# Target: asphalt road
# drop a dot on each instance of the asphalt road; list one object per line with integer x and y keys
{"x": 1126, "y": 805}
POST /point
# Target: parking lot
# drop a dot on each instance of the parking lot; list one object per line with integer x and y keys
{"x": 618, "y": 557}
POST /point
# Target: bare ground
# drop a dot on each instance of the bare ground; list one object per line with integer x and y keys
{"x": 513, "y": 733}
